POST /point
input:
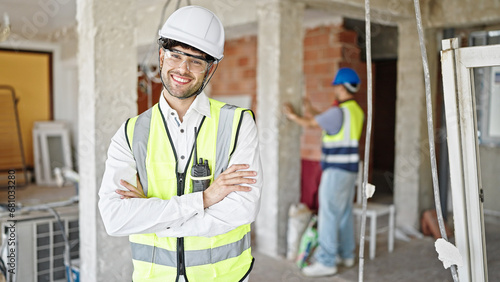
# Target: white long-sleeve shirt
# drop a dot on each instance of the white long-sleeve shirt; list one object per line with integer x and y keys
{"x": 181, "y": 215}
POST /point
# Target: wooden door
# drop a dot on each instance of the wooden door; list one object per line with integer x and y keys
{"x": 30, "y": 75}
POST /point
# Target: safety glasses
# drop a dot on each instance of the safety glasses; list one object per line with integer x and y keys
{"x": 195, "y": 64}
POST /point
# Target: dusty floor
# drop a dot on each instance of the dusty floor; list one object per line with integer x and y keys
{"x": 410, "y": 261}
{"x": 413, "y": 261}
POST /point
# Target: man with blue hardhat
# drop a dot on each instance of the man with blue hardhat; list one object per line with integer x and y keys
{"x": 342, "y": 125}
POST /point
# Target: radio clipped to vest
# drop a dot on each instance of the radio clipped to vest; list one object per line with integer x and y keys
{"x": 200, "y": 171}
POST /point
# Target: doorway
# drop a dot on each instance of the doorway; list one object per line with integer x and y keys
{"x": 29, "y": 73}
{"x": 384, "y": 54}
{"x": 384, "y": 122}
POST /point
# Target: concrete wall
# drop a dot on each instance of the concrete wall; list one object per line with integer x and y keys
{"x": 452, "y": 13}
{"x": 410, "y": 117}
{"x": 107, "y": 71}
{"x": 278, "y": 80}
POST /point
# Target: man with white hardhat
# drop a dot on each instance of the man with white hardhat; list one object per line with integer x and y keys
{"x": 183, "y": 179}
{"x": 342, "y": 125}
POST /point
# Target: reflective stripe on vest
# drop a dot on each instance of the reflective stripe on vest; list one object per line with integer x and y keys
{"x": 194, "y": 257}
{"x": 141, "y": 132}
{"x": 224, "y": 138}
{"x": 341, "y": 150}
{"x": 206, "y": 258}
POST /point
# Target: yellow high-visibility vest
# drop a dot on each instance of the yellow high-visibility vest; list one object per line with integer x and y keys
{"x": 225, "y": 257}
{"x": 341, "y": 150}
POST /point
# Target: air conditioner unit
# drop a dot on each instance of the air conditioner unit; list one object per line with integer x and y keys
{"x": 40, "y": 244}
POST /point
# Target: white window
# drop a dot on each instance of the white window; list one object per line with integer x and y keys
{"x": 458, "y": 66}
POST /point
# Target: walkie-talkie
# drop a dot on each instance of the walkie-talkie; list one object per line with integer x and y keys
{"x": 200, "y": 172}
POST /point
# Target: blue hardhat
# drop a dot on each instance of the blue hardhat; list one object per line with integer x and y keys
{"x": 349, "y": 78}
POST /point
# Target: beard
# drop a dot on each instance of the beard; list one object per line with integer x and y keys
{"x": 177, "y": 90}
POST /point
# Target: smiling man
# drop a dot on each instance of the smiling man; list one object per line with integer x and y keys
{"x": 183, "y": 180}
{"x": 186, "y": 68}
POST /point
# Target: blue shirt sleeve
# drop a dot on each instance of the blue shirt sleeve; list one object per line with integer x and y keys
{"x": 331, "y": 120}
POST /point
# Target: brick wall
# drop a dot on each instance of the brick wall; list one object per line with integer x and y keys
{"x": 237, "y": 72}
{"x": 326, "y": 49}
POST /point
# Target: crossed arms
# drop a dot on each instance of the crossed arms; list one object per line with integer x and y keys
{"x": 232, "y": 200}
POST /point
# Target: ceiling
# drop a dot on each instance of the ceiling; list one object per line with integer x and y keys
{"x": 35, "y": 18}
{"x": 42, "y": 19}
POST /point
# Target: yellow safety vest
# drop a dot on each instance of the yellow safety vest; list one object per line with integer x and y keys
{"x": 225, "y": 257}
{"x": 341, "y": 150}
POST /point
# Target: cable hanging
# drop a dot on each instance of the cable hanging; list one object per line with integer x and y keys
{"x": 430, "y": 130}
{"x": 152, "y": 74}
{"x": 367, "y": 137}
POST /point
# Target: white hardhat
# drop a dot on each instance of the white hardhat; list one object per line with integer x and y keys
{"x": 197, "y": 27}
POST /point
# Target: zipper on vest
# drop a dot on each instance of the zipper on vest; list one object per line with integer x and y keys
{"x": 181, "y": 264}
{"x": 181, "y": 267}
{"x": 180, "y": 183}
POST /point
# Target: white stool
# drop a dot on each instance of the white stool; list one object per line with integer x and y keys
{"x": 373, "y": 211}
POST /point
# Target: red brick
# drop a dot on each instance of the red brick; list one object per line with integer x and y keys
{"x": 348, "y": 36}
{"x": 252, "y": 60}
{"x": 316, "y": 31}
{"x": 230, "y": 51}
{"x": 250, "y": 73}
{"x": 242, "y": 62}
{"x": 327, "y": 80}
{"x": 232, "y": 85}
{"x": 310, "y": 55}
{"x": 317, "y": 40}
{"x": 308, "y": 67}
{"x": 321, "y": 68}
{"x": 312, "y": 82}
{"x": 315, "y": 132}
{"x": 351, "y": 54}
{"x": 333, "y": 52}
{"x": 310, "y": 139}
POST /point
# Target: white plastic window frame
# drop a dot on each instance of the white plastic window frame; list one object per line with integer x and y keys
{"x": 42, "y": 131}
{"x": 461, "y": 122}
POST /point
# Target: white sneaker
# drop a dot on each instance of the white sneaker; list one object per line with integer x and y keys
{"x": 317, "y": 269}
{"x": 345, "y": 262}
{"x": 348, "y": 262}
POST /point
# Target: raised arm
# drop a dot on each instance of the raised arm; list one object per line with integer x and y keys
{"x": 305, "y": 121}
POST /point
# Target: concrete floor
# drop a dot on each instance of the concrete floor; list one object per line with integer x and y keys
{"x": 415, "y": 260}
